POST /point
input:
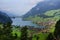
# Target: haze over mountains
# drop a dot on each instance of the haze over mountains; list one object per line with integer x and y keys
{"x": 42, "y": 7}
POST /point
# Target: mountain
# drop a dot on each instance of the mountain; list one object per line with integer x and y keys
{"x": 10, "y": 14}
{"x": 52, "y": 17}
{"x": 4, "y": 18}
{"x": 42, "y": 7}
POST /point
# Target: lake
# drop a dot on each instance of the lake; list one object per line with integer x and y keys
{"x": 20, "y": 22}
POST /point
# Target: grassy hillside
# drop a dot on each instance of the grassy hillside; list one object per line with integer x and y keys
{"x": 51, "y": 15}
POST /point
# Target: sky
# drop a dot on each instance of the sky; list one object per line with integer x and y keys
{"x": 18, "y": 7}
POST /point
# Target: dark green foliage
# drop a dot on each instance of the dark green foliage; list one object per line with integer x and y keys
{"x": 50, "y": 37}
{"x": 31, "y": 37}
{"x": 24, "y": 33}
{"x": 6, "y": 32}
{"x": 37, "y": 37}
{"x": 56, "y": 35}
{"x": 57, "y": 30}
{"x": 14, "y": 37}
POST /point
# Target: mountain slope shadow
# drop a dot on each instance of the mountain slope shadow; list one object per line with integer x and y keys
{"x": 4, "y": 18}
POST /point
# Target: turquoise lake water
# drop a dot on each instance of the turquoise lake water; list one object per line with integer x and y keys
{"x": 20, "y": 22}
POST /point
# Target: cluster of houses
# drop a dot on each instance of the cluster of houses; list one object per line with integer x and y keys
{"x": 48, "y": 23}
{"x": 45, "y": 29}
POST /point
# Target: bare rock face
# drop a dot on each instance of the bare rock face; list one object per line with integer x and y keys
{"x": 4, "y": 18}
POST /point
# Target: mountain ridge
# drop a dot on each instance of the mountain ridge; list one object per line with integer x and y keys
{"x": 42, "y": 7}
{"x": 4, "y": 18}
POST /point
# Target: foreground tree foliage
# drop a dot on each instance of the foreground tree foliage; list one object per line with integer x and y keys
{"x": 6, "y": 29}
{"x": 50, "y": 37}
{"x": 57, "y": 30}
{"x": 5, "y": 32}
{"x": 56, "y": 34}
{"x": 24, "y": 35}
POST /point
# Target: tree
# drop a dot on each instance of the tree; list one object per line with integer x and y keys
{"x": 57, "y": 30}
{"x": 31, "y": 36}
{"x": 24, "y": 33}
{"x": 6, "y": 32}
{"x": 37, "y": 37}
{"x": 56, "y": 34}
{"x": 1, "y": 31}
{"x": 50, "y": 37}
